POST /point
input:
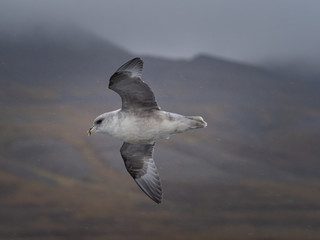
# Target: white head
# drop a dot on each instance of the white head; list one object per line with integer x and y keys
{"x": 99, "y": 124}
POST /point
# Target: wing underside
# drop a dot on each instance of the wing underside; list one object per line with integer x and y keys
{"x": 141, "y": 166}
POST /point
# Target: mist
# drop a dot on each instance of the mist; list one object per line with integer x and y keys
{"x": 272, "y": 34}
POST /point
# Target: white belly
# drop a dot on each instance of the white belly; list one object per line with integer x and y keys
{"x": 147, "y": 129}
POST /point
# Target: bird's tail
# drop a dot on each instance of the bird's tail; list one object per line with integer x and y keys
{"x": 198, "y": 122}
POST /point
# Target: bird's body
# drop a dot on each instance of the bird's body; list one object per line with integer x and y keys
{"x": 140, "y": 123}
{"x": 146, "y": 127}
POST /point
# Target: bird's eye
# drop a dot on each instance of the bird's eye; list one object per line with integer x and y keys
{"x": 99, "y": 121}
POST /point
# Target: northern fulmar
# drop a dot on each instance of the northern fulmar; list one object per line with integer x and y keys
{"x": 139, "y": 123}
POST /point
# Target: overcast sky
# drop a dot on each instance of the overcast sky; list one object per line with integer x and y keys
{"x": 246, "y": 30}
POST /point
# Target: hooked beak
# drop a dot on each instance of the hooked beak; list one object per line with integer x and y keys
{"x": 91, "y": 130}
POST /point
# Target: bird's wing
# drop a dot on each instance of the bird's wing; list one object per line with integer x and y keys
{"x": 139, "y": 163}
{"x": 134, "y": 93}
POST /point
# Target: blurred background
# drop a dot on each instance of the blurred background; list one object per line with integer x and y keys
{"x": 250, "y": 68}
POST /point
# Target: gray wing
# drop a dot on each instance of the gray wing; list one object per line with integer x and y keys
{"x": 134, "y": 93}
{"x": 139, "y": 163}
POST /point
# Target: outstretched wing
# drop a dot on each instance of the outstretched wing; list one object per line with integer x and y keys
{"x": 134, "y": 93}
{"x": 139, "y": 163}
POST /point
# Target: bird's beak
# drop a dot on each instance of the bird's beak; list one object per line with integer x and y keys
{"x": 91, "y": 130}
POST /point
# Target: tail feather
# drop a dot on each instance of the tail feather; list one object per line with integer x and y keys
{"x": 198, "y": 121}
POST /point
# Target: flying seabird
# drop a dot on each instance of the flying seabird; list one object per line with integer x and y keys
{"x": 139, "y": 123}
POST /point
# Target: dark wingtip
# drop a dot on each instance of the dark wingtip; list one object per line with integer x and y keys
{"x": 134, "y": 66}
{"x": 156, "y": 200}
{"x": 154, "y": 195}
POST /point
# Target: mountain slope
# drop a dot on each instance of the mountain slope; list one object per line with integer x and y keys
{"x": 254, "y": 168}
{"x": 55, "y": 56}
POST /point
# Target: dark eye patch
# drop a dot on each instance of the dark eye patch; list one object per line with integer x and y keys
{"x": 99, "y": 121}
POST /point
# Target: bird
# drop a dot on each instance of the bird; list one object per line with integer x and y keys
{"x": 139, "y": 123}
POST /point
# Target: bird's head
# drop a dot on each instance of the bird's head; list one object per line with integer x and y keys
{"x": 98, "y": 125}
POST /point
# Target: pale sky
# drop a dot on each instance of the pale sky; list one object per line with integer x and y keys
{"x": 243, "y": 30}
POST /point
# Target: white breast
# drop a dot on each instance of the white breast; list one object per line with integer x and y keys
{"x": 142, "y": 129}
